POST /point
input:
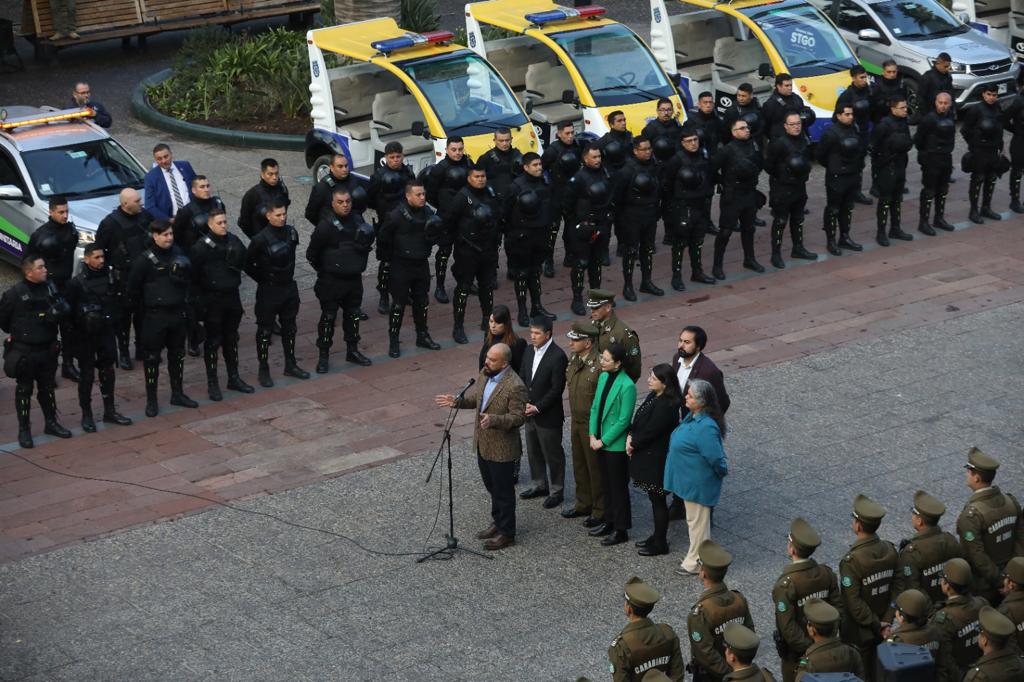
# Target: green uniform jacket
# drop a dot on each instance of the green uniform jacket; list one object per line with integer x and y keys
{"x": 614, "y": 331}
{"x": 581, "y": 377}
{"x": 644, "y": 645}
{"x": 830, "y": 656}
{"x": 866, "y": 574}
{"x": 958, "y": 622}
{"x": 932, "y": 639}
{"x": 999, "y": 666}
{"x": 753, "y": 673}
{"x": 1013, "y": 608}
{"x": 991, "y": 530}
{"x": 618, "y": 411}
{"x": 717, "y": 607}
{"x": 800, "y": 581}
{"x": 921, "y": 561}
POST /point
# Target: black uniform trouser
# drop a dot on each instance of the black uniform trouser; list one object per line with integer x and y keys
{"x": 96, "y": 352}
{"x": 890, "y": 179}
{"x": 221, "y": 318}
{"x": 787, "y": 201}
{"x": 66, "y": 326}
{"x": 441, "y": 256}
{"x": 33, "y": 365}
{"x": 164, "y": 328}
{"x": 276, "y": 301}
{"x": 841, "y": 190}
{"x": 129, "y": 318}
{"x": 588, "y": 242}
{"x": 1016, "y": 165}
{"x": 738, "y": 210}
{"x": 527, "y": 249}
{"x": 936, "y": 170}
{"x": 471, "y": 265}
{"x": 637, "y": 238}
{"x": 983, "y": 176}
{"x": 685, "y": 228}
{"x": 499, "y": 480}
{"x": 410, "y": 283}
{"x": 334, "y": 293}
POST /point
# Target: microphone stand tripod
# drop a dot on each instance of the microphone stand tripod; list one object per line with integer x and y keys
{"x": 451, "y": 542}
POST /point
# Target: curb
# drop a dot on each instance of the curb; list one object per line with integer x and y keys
{"x": 143, "y": 111}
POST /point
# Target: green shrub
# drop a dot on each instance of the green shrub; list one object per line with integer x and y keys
{"x": 419, "y": 16}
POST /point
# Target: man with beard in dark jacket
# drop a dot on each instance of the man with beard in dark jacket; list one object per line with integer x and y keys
{"x": 983, "y": 130}
{"x": 270, "y": 189}
{"x": 788, "y": 163}
{"x": 688, "y": 186}
{"x": 386, "y": 191}
{"x": 890, "y": 145}
{"x": 841, "y": 153}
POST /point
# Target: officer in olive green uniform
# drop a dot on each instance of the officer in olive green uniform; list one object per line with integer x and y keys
{"x": 991, "y": 527}
{"x": 717, "y": 607}
{"x": 740, "y": 649}
{"x": 803, "y": 579}
{"x": 643, "y": 645}
{"x": 911, "y": 626}
{"x": 612, "y": 330}
{"x": 581, "y": 377}
{"x": 828, "y": 654}
{"x": 958, "y": 617}
{"x": 922, "y": 556}
{"x": 866, "y": 574}
{"x": 1013, "y": 597}
{"x": 1000, "y": 662}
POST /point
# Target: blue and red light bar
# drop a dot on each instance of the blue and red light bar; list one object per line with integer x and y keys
{"x": 412, "y": 40}
{"x": 563, "y": 13}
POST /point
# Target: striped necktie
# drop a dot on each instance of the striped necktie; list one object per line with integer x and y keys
{"x": 178, "y": 203}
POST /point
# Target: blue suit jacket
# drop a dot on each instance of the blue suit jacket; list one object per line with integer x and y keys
{"x": 158, "y": 198}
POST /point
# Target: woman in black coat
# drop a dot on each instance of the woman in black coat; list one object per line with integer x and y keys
{"x": 500, "y": 330}
{"x": 647, "y": 447}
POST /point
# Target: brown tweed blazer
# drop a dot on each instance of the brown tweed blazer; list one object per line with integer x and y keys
{"x": 507, "y": 408}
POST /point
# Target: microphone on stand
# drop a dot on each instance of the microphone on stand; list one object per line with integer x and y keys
{"x": 465, "y": 388}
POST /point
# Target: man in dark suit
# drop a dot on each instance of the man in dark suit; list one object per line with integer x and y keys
{"x": 543, "y": 373}
{"x": 168, "y": 184}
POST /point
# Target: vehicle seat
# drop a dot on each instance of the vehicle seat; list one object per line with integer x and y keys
{"x": 694, "y": 40}
{"x": 545, "y": 83}
{"x": 736, "y": 62}
{"x": 393, "y": 115}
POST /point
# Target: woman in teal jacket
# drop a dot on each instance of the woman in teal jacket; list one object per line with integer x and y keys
{"x": 610, "y": 416}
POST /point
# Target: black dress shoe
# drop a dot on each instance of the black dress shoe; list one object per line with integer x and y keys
{"x": 88, "y": 425}
{"x": 293, "y": 370}
{"x": 616, "y": 538}
{"x": 649, "y": 287}
{"x": 424, "y": 341}
{"x": 591, "y": 522}
{"x": 552, "y": 501}
{"x": 601, "y": 530}
{"x": 643, "y": 543}
{"x": 531, "y": 493}
{"x": 572, "y": 513}
{"x": 115, "y": 417}
{"x": 182, "y": 400}
{"x": 125, "y": 363}
{"x": 323, "y": 364}
{"x": 54, "y": 428}
{"x": 69, "y": 372}
{"x": 864, "y": 200}
{"x": 363, "y": 317}
{"x": 759, "y": 222}
{"x": 702, "y": 277}
{"x": 235, "y": 383}
{"x": 653, "y": 550}
{"x": 357, "y": 358}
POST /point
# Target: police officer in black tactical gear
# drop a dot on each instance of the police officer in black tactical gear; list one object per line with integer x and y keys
{"x": 30, "y": 312}
{"x": 890, "y": 145}
{"x": 561, "y": 160}
{"x": 615, "y": 146}
{"x": 983, "y": 130}
{"x": 123, "y": 235}
{"x": 527, "y": 209}
{"x": 859, "y": 95}
{"x": 443, "y": 181}
{"x": 190, "y": 220}
{"x": 710, "y": 130}
{"x": 502, "y": 164}
{"x": 94, "y": 298}
{"x": 688, "y": 185}
{"x": 217, "y": 262}
{"x": 56, "y": 241}
{"x": 159, "y": 282}
{"x": 737, "y": 166}
{"x": 587, "y": 211}
{"x": 887, "y": 87}
{"x": 270, "y": 189}
{"x": 321, "y": 196}
{"x": 1013, "y": 121}
{"x": 935, "y": 138}
{"x": 406, "y": 236}
{"x": 338, "y": 250}
{"x": 746, "y": 107}
{"x": 787, "y": 160}
{"x": 637, "y": 205}
{"x": 936, "y": 79}
{"x": 665, "y": 131}
{"x": 386, "y": 192}
{"x": 841, "y": 153}
{"x": 783, "y": 102}
{"x": 270, "y": 261}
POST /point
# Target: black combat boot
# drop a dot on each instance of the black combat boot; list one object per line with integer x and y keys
{"x": 647, "y": 284}
{"x": 176, "y": 370}
{"x": 749, "y": 261}
{"x": 974, "y": 194}
{"x": 896, "y": 223}
{"x": 383, "y": 285}
{"x": 831, "y": 225}
{"x": 1015, "y": 178}
{"x": 350, "y": 325}
{"x": 940, "y": 214}
{"x": 796, "y": 233}
{"x": 263, "y": 335}
{"x": 423, "y": 340}
{"x": 845, "y": 225}
{"x": 85, "y": 401}
{"x": 536, "y": 307}
{"x": 394, "y": 329}
{"x": 23, "y": 408}
{"x": 151, "y": 368}
{"x": 291, "y": 367}
{"x": 576, "y": 276}
{"x": 110, "y": 413}
{"x": 882, "y": 221}
{"x": 721, "y": 242}
{"x": 924, "y": 213}
{"x": 461, "y": 297}
{"x": 697, "y": 273}
{"x": 677, "y": 268}
{"x": 778, "y": 229}
{"x": 520, "y": 287}
{"x": 628, "y": 266}
{"x": 211, "y": 360}
{"x": 235, "y": 382}
{"x": 48, "y": 404}
{"x": 124, "y": 355}
{"x": 986, "y": 203}
{"x": 440, "y": 272}
{"x": 324, "y": 341}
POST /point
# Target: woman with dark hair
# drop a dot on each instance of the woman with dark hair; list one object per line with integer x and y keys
{"x": 696, "y": 465}
{"x": 610, "y": 415}
{"x": 647, "y": 447}
{"x": 500, "y": 330}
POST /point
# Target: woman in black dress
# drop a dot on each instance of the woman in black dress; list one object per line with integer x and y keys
{"x": 647, "y": 447}
{"x": 500, "y": 330}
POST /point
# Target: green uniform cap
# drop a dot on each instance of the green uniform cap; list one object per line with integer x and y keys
{"x": 957, "y": 571}
{"x": 803, "y": 535}
{"x": 927, "y": 507}
{"x": 598, "y": 297}
{"x": 639, "y": 593}
{"x": 741, "y": 638}
{"x": 713, "y": 555}
{"x": 866, "y": 509}
{"x": 583, "y": 330}
{"x": 995, "y": 623}
{"x": 914, "y": 603}
{"x": 818, "y": 612}
{"x": 655, "y": 675}
{"x": 1015, "y": 570}
{"x": 976, "y": 459}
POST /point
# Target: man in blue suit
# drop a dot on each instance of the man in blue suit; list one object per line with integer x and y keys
{"x": 168, "y": 184}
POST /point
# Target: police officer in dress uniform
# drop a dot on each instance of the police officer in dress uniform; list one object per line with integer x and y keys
{"x": 983, "y": 130}
{"x": 716, "y": 607}
{"x": 587, "y": 207}
{"x": 30, "y": 312}
{"x": 218, "y": 259}
{"x": 256, "y": 201}
{"x": 828, "y": 654}
{"x": 803, "y": 579}
{"x": 615, "y": 146}
{"x": 637, "y": 206}
{"x": 581, "y": 376}
{"x": 1013, "y": 121}
{"x": 935, "y": 138}
{"x": 890, "y": 144}
{"x": 613, "y": 330}
{"x": 665, "y": 131}
{"x": 528, "y": 217}
{"x": 866, "y": 574}
{"x": 888, "y": 87}
{"x": 957, "y": 618}
{"x": 741, "y": 645}
{"x": 1000, "y": 662}
{"x": 270, "y": 261}
{"x": 1012, "y": 592}
{"x": 443, "y": 181}
{"x": 406, "y": 237}
{"x": 737, "y": 166}
{"x": 643, "y": 645}
{"x": 782, "y": 103}
{"x": 840, "y": 152}
{"x": 94, "y": 298}
{"x": 911, "y": 626}
{"x": 386, "y": 192}
{"x": 922, "y": 557}
{"x": 710, "y": 129}
{"x": 859, "y": 95}
{"x": 688, "y": 187}
{"x": 321, "y": 197}
{"x": 787, "y": 160}
{"x": 124, "y": 235}
{"x": 990, "y": 527}
{"x": 159, "y": 281}
{"x": 561, "y": 160}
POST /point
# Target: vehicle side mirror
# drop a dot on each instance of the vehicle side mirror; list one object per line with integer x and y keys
{"x": 964, "y": 17}
{"x": 11, "y": 193}
{"x": 869, "y": 35}
{"x": 569, "y": 97}
{"x": 764, "y": 70}
{"x": 528, "y": 106}
{"x": 419, "y": 129}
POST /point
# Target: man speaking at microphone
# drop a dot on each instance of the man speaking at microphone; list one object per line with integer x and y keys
{"x": 499, "y": 401}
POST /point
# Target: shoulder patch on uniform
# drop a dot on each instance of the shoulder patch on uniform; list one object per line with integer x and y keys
{"x": 847, "y": 581}
{"x": 969, "y": 536}
{"x": 695, "y": 636}
{"x": 781, "y": 606}
{"x": 611, "y": 667}
{"x": 940, "y": 617}
{"x": 635, "y": 351}
{"x": 907, "y": 571}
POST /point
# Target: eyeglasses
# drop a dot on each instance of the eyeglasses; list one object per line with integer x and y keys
{"x": 742, "y": 128}
{"x": 792, "y": 123}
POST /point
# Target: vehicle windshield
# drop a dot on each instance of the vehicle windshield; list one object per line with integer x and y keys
{"x": 910, "y": 19}
{"x": 83, "y": 170}
{"x": 467, "y": 95}
{"x": 617, "y": 67}
{"x": 807, "y": 42}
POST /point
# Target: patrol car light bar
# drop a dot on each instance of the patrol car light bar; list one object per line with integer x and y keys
{"x": 411, "y": 40}
{"x": 563, "y": 13}
{"x": 66, "y": 115}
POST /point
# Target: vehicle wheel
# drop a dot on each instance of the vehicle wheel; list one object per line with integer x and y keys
{"x": 914, "y": 104}
{"x": 321, "y": 167}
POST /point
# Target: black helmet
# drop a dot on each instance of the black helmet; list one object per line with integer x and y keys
{"x": 364, "y": 234}
{"x": 392, "y": 182}
{"x": 663, "y": 148}
{"x": 529, "y": 203}
{"x": 798, "y": 165}
{"x": 689, "y": 177}
{"x": 945, "y": 127}
{"x": 988, "y": 125}
{"x": 643, "y": 185}
{"x": 598, "y": 190}
{"x": 93, "y": 318}
{"x": 745, "y": 169}
{"x": 48, "y": 243}
{"x": 181, "y": 269}
{"x": 569, "y": 162}
{"x": 482, "y": 213}
{"x": 433, "y": 229}
{"x": 614, "y": 152}
{"x": 359, "y": 198}
{"x": 753, "y": 119}
{"x": 807, "y": 117}
{"x": 235, "y": 256}
{"x": 455, "y": 177}
{"x": 280, "y": 253}
{"x": 900, "y": 143}
{"x": 849, "y": 145}
{"x": 861, "y": 107}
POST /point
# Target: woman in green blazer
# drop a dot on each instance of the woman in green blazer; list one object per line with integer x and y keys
{"x": 610, "y": 416}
